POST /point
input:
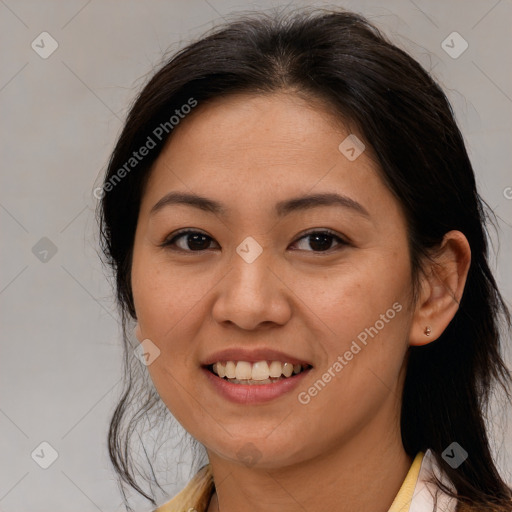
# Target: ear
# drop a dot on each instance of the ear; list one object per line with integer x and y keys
{"x": 441, "y": 287}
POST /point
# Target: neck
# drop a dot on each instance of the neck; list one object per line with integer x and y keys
{"x": 361, "y": 475}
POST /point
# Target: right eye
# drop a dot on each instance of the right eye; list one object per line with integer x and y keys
{"x": 189, "y": 241}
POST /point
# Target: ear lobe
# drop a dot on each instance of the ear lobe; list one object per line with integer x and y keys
{"x": 442, "y": 286}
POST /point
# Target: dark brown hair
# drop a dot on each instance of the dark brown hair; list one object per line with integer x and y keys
{"x": 343, "y": 60}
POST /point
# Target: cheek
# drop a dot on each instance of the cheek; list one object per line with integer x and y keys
{"x": 164, "y": 297}
{"x": 169, "y": 304}
{"x": 365, "y": 309}
{"x": 365, "y": 344}
{"x": 354, "y": 298}
{"x": 164, "y": 304}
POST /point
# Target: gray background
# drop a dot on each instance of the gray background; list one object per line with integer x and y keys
{"x": 61, "y": 358}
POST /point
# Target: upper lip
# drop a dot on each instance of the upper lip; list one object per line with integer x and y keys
{"x": 252, "y": 356}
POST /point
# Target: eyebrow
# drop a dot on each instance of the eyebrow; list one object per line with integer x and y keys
{"x": 282, "y": 208}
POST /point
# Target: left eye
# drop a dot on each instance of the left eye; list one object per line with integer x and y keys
{"x": 322, "y": 240}
{"x": 195, "y": 241}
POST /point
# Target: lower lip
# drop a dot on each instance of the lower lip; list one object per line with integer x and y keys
{"x": 254, "y": 393}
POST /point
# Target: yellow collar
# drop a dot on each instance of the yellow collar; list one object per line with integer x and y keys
{"x": 403, "y": 499}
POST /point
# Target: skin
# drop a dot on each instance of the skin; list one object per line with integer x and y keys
{"x": 342, "y": 451}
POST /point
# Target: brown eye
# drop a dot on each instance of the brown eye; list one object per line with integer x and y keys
{"x": 321, "y": 241}
{"x": 189, "y": 241}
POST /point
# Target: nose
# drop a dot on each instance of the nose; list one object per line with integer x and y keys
{"x": 253, "y": 295}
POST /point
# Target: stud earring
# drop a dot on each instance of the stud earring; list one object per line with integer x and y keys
{"x": 427, "y": 330}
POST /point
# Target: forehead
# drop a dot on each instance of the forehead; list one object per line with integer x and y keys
{"x": 272, "y": 127}
{"x": 246, "y": 149}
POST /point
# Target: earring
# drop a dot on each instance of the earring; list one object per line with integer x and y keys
{"x": 427, "y": 330}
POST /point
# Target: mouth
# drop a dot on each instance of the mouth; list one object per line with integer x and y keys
{"x": 256, "y": 373}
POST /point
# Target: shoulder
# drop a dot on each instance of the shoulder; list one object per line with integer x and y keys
{"x": 195, "y": 497}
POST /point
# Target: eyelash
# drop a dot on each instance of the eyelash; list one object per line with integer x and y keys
{"x": 170, "y": 241}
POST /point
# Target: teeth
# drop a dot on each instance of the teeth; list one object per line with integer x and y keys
{"x": 276, "y": 369}
{"x": 230, "y": 370}
{"x": 243, "y": 370}
{"x": 287, "y": 369}
{"x": 220, "y": 370}
{"x": 260, "y": 371}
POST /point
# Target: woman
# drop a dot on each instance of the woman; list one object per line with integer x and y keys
{"x": 292, "y": 220}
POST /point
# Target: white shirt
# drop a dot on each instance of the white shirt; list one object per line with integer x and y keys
{"x": 425, "y": 492}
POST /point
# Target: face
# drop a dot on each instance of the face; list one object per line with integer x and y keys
{"x": 256, "y": 276}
